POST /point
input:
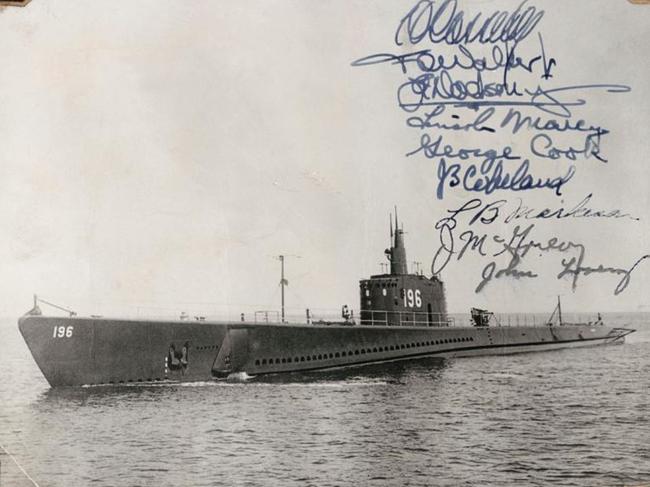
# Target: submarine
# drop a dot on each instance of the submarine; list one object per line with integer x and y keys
{"x": 402, "y": 316}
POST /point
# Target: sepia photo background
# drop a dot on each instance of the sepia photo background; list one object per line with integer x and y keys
{"x": 161, "y": 155}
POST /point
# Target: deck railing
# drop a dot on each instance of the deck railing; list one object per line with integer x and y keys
{"x": 329, "y": 316}
{"x": 532, "y": 319}
{"x": 373, "y": 317}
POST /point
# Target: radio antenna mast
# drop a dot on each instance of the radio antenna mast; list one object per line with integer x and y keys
{"x": 283, "y": 282}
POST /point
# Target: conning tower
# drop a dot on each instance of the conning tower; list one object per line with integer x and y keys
{"x": 399, "y": 298}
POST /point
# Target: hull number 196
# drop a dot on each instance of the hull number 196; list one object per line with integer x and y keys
{"x": 62, "y": 331}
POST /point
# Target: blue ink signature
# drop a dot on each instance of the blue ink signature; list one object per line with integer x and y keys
{"x": 444, "y": 23}
{"x": 499, "y": 58}
{"x": 486, "y": 177}
{"x": 435, "y": 148}
{"x": 543, "y": 146}
{"x": 441, "y": 89}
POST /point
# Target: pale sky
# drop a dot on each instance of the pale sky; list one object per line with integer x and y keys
{"x": 159, "y": 154}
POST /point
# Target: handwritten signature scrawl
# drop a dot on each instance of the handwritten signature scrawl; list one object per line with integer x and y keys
{"x": 468, "y": 79}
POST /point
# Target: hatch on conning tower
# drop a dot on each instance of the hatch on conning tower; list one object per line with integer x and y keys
{"x": 399, "y": 298}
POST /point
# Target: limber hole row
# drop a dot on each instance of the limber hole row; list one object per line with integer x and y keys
{"x": 362, "y": 351}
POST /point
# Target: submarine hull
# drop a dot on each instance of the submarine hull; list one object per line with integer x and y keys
{"x": 79, "y": 351}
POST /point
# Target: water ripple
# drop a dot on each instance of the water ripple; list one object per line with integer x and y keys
{"x": 567, "y": 418}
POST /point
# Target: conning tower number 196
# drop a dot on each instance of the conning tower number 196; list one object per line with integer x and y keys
{"x": 412, "y": 299}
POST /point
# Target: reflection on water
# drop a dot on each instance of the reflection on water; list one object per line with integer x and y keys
{"x": 573, "y": 417}
{"x": 387, "y": 372}
{"x": 109, "y": 396}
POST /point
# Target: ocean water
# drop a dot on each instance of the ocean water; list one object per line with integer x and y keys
{"x": 566, "y": 418}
